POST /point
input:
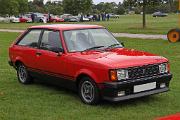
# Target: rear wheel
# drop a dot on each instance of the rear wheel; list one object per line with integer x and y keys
{"x": 23, "y": 75}
{"x": 174, "y": 35}
{"x": 41, "y": 20}
{"x": 88, "y": 91}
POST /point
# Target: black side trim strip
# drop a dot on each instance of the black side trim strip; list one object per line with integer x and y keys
{"x": 52, "y": 74}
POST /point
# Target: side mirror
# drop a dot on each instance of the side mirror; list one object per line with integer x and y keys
{"x": 56, "y": 49}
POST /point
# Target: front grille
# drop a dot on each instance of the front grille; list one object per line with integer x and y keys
{"x": 144, "y": 71}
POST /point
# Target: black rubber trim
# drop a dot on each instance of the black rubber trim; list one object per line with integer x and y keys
{"x": 116, "y": 99}
{"x": 10, "y": 63}
{"x": 111, "y": 89}
{"x": 159, "y": 78}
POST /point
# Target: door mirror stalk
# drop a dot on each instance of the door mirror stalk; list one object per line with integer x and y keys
{"x": 59, "y": 54}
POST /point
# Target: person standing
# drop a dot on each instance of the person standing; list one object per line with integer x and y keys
{"x": 108, "y": 17}
{"x": 99, "y": 17}
{"x": 49, "y": 17}
{"x": 102, "y": 16}
{"x": 33, "y": 17}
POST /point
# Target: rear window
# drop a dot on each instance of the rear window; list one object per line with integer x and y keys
{"x": 30, "y": 39}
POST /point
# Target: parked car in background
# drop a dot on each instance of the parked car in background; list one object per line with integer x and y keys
{"x": 67, "y": 17}
{"x": 85, "y": 19}
{"x": 74, "y": 19}
{"x": 159, "y": 14}
{"x": 90, "y": 17}
{"x": 88, "y": 59}
{"x": 3, "y": 19}
{"x": 39, "y": 17}
{"x": 54, "y": 18}
{"x": 112, "y": 15}
{"x": 25, "y": 19}
{"x": 14, "y": 19}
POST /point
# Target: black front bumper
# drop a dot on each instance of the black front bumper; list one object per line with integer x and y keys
{"x": 111, "y": 89}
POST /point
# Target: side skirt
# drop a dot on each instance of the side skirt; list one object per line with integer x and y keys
{"x": 54, "y": 80}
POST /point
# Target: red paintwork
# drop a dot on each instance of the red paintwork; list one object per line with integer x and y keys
{"x": 56, "y": 19}
{"x": 93, "y": 63}
{"x": 170, "y": 117}
{"x": 67, "y": 26}
{"x": 23, "y": 20}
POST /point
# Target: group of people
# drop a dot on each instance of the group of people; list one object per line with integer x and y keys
{"x": 96, "y": 17}
{"x": 102, "y": 16}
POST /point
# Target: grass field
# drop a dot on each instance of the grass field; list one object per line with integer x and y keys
{"x": 125, "y": 24}
{"x": 43, "y": 102}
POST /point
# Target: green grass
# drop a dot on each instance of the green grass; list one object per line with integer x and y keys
{"x": 126, "y": 24}
{"x": 43, "y": 102}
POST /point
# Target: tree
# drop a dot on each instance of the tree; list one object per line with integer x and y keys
{"x": 36, "y": 6}
{"x": 77, "y": 6}
{"x": 23, "y": 6}
{"x": 31, "y": 7}
{"x": 39, "y": 3}
{"x": 144, "y": 13}
{"x": 9, "y": 7}
{"x": 54, "y": 8}
{"x": 129, "y": 4}
{"x": 86, "y": 6}
{"x": 120, "y": 9}
{"x": 106, "y": 7}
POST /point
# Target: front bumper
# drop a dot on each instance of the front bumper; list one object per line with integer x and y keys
{"x": 111, "y": 89}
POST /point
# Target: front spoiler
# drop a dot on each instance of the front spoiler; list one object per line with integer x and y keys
{"x": 110, "y": 90}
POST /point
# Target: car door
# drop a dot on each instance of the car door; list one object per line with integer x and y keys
{"x": 47, "y": 61}
{"x": 27, "y": 47}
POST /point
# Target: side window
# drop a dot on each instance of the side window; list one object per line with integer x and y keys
{"x": 50, "y": 39}
{"x": 31, "y": 39}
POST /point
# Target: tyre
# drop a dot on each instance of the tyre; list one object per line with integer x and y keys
{"x": 41, "y": 21}
{"x": 88, "y": 91}
{"x": 22, "y": 74}
{"x": 174, "y": 35}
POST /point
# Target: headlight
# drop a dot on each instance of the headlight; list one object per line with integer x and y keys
{"x": 163, "y": 68}
{"x": 122, "y": 74}
{"x": 117, "y": 75}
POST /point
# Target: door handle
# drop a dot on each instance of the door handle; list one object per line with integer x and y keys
{"x": 38, "y": 53}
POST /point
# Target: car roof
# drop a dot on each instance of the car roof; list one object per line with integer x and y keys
{"x": 66, "y": 26}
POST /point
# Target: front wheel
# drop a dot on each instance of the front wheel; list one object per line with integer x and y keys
{"x": 88, "y": 91}
{"x": 23, "y": 75}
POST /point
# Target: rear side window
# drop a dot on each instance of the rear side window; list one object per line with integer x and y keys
{"x": 50, "y": 39}
{"x": 30, "y": 39}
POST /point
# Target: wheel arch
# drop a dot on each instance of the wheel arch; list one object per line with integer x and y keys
{"x": 85, "y": 73}
{"x": 18, "y": 61}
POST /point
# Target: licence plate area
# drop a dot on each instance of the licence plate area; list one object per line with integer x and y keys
{"x": 144, "y": 87}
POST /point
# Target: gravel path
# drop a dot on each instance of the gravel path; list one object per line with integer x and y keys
{"x": 141, "y": 36}
{"x": 9, "y": 30}
{"x": 129, "y": 35}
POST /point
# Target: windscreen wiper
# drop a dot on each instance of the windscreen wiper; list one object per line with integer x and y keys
{"x": 113, "y": 45}
{"x": 93, "y": 48}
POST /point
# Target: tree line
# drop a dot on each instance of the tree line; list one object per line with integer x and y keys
{"x": 16, "y": 7}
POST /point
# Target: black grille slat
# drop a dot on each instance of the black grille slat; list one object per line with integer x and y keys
{"x": 144, "y": 71}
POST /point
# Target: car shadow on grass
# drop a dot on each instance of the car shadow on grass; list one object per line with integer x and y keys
{"x": 103, "y": 103}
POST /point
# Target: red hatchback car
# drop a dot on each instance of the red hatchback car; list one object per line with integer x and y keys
{"x": 89, "y": 59}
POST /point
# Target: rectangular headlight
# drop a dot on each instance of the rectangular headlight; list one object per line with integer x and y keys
{"x": 163, "y": 68}
{"x": 122, "y": 74}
